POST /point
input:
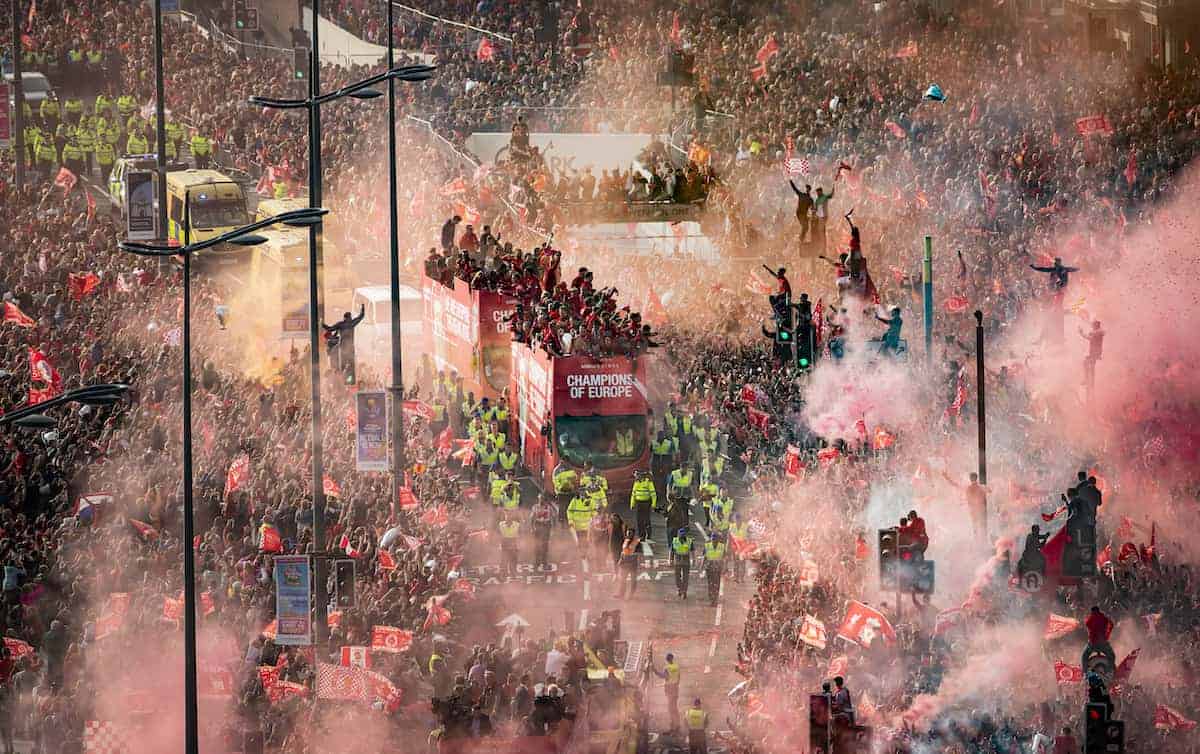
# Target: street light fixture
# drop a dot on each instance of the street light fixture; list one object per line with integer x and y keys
{"x": 111, "y": 392}
{"x": 312, "y": 104}
{"x": 243, "y": 236}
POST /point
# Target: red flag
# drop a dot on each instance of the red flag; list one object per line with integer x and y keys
{"x": 331, "y": 487}
{"x": 758, "y": 71}
{"x": 465, "y": 588}
{"x": 237, "y": 475}
{"x": 1131, "y": 169}
{"x": 347, "y": 547}
{"x": 17, "y": 648}
{"x": 43, "y": 372}
{"x": 444, "y": 443}
{"x": 383, "y": 690}
{"x": 1057, "y": 627}
{"x": 1126, "y": 667}
{"x": 812, "y": 632}
{"x": 172, "y": 609}
{"x": 269, "y": 539}
{"x": 407, "y": 499}
{"x": 742, "y": 546}
{"x": 1104, "y": 557}
{"x": 207, "y": 606}
{"x": 960, "y": 395}
{"x": 386, "y": 561}
{"x": 862, "y": 551}
{"x": 435, "y": 517}
{"x": 826, "y": 457}
{"x": 1128, "y": 553}
{"x": 356, "y": 657}
{"x": 144, "y": 530}
{"x": 486, "y": 51}
{"x": 1066, "y": 674}
{"x": 974, "y": 117}
{"x": 80, "y": 284}
{"x": 65, "y": 180}
{"x": 769, "y": 50}
{"x": 91, "y": 206}
{"x": 896, "y": 129}
{"x": 14, "y": 315}
{"x": 654, "y": 312}
{"x": 863, "y": 624}
{"x": 909, "y": 50}
{"x": 390, "y": 639}
{"x": 413, "y": 543}
{"x": 860, "y": 428}
{"x": 760, "y": 419}
{"x": 339, "y": 682}
{"x": 791, "y": 462}
{"x": 676, "y": 37}
{"x": 1168, "y": 719}
{"x": 956, "y": 304}
{"x": 1093, "y": 124}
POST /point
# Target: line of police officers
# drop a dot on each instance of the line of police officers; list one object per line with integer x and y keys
{"x": 70, "y": 134}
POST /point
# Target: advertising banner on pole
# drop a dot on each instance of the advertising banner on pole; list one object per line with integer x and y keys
{"x": 139, "y": 206}
{"x": 293, "y": 302}
{"x": 293, "y": 597}
{"x": 5, "y": 116}
{"x": 371, "y": 435}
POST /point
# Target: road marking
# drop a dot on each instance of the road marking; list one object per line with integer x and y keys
{"x": 586, "y": 568}
{"x": 583, "y": 616}
{"x": 717, "y": 622}
{"x": 712, "y": 646}
{"x": 587, "y": 592}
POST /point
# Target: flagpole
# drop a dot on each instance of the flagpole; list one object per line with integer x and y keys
{"x": 980, "y": 392}
{"x": 160, "y": 126}
{"x": 927, "y": 296}
{"x": 18, "y": 98}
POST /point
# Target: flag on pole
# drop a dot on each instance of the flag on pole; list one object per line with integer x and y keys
{"x": 863, "y": 624}
{"x": 1067, "y": 674}
{"x": 356, "y": 657}
{"x": 812, "y": 632}
{"x": 65, "y": 180}
{"x": 237, "y": 475}
{"x": 14, "y": 315}
{"x": 80, "y": 284}
{"x": 390, "y": 639}
{"x": 42, "y": 373}
{"x": 342, "y": 682}
{"x": 1168, "y": 719}
{"x": 1057, "y": 627}
{"x": 486, "y": 51}
{"x": 769, "y": 50}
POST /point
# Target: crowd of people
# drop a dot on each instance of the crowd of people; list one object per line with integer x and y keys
{"x": 90, "y": 509}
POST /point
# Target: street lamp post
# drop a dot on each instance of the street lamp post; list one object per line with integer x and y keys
{"x": 358, "y": 90}
{"x": 981, "y": 391}
{"x": 18, "y": 99}
{"x": 160, "y": 124}
{"x": 397, "y": 418}
{"x": 242, "y": 236}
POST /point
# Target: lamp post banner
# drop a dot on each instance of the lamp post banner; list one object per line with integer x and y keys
{"x": 371, "y": 431}
{"x": 293, "y": 599}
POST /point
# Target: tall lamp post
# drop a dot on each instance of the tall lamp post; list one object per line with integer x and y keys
{"x": 312, "y": 103}
{"x": 243, "y": 236}
{"x": 397, "y": 389}
{"x": 981, "y": 392}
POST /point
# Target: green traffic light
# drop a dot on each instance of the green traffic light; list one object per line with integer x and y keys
{"x": 803, "y": 362}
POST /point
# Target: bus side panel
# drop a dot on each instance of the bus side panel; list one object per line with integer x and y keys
{"x": 449, "y": 332}
{"x": 530, "y": 382}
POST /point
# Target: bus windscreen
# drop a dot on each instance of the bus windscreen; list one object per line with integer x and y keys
{"x": 609, "y": 442}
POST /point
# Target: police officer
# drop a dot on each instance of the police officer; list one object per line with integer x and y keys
{"x": 49, "y": 112}
{"x": 174, "y": 136}
{"x": 697, "y": 725}
{"x": 73, "y": 111}
{"x": 714, "y": 565}
{"x": 707, "y": 492}
{"x": 642, "y": 499}
{"x": 542, "y": 517}
{"x": 662, "y": 451}
{"x": 47, "y": 156}
{"x": 679, "y": 483}
{"x": 201, "y": 148}
{"x": 579, "y": 518}
{"x": 85, "y": 137}
{"x": 681, "y": 555}
{"x": 136, "y": 144}
{"x": 670, "y": 675}
{"x": 510, "y": 529}
{"x": 508, "y": 458}
{"x": 566, "y": 481}
{"x": 73, "y": 157}
{"x": 103, "y": 106}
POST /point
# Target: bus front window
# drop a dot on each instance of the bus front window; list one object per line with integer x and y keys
{"x": 217, "y": 213}
{"x": 610, "y": 442}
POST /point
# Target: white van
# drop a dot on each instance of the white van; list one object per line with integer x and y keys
{"x": 35, "y": 87}
{"x": 373, "y": 337}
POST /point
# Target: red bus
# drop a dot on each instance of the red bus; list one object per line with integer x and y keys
{"x": 579, "y": 410}
{"x": 465, "y": 331}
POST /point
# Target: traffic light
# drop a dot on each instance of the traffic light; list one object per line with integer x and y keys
{"x": 784, "y": 336}
{"x": 804, "y": 346}
{"x": 921, "y": 576}
{"x": 241, "y": 15}
{"x": 889, "y": 557}
{"x": 343, "y": 579}
{"x": 1101, "y": 735}
{"x": 300, "y": 63}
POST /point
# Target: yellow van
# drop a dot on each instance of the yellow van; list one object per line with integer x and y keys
{"x": 215, "y": 202}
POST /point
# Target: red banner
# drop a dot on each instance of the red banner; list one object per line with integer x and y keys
{"x": 1067, "y": 674}
{"x": 1057, "y": 627}
{"x": 390, "y": 639}
{"x": 863, "y": 624}
{"x": 1093, "y": 124}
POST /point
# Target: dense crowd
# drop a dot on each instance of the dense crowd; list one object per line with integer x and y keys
{"x": 86, "y": 585}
